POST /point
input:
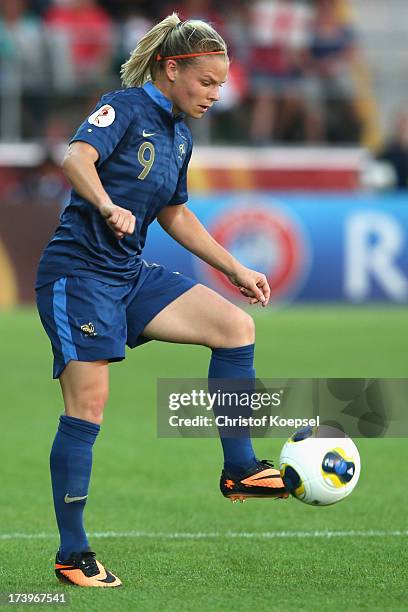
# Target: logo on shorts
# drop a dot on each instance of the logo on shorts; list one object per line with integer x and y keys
{"x": 89, "y": 330}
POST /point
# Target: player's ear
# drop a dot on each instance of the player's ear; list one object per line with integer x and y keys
{"x": 171, "y": 70}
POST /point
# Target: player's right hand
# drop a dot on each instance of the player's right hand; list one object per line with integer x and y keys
{"x": 120, "y": 220}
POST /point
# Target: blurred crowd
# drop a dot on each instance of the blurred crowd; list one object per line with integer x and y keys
{"x": 292, "y": 76}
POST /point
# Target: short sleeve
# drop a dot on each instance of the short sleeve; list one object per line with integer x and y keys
{"x": 180, "y": 195}
{"x": 106, "y": 125}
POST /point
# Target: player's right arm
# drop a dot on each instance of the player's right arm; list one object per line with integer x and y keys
{"x": 79, "y": 168}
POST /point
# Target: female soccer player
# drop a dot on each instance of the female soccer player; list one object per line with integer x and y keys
{"x": 127, "y": 164}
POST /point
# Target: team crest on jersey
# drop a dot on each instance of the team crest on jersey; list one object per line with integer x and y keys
{"x": 103, "y": 117}
{"x": 89, "y": 330}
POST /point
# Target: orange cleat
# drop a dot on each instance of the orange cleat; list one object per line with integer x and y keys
{"x": 263, "y": 481}
{"x": 82, "y": 569}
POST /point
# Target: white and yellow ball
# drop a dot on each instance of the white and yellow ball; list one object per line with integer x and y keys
{"x": 320, "y": 466}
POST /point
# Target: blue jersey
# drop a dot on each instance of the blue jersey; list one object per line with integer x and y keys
{"x": 144, "y": 153}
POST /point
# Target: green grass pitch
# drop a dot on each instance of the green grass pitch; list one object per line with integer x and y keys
{"x": 150, "y": 489}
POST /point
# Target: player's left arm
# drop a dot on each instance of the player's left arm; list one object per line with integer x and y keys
{"x": 182, "y": 225}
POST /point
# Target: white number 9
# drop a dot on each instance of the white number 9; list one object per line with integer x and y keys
{"x": 148, "y": 162}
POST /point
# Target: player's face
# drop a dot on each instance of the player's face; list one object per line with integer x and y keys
{"x": 196, "y": 87}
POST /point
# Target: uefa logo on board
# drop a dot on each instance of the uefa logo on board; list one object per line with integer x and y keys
{"x": 264, "y": 238}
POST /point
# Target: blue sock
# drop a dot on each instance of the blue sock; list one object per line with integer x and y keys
{"x": 71, "y": 464}
{"x": 234, "y": 363}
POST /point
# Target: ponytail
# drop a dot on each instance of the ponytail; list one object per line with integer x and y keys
{"x": 170, "y": 37}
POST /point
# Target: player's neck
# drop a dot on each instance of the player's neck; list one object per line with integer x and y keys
{"x": 165, "y": 88}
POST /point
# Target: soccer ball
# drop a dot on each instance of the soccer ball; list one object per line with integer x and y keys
{"x": 320, "y": 466}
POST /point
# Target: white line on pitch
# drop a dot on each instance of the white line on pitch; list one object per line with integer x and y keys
{"x": 262, "y": 535}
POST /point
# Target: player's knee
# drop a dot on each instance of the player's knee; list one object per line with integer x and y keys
{"x": 94, "y": 407}
{"x": 247, "y": 329}
{"x": 240, "y": 330}
{"x": 91, "y": 405}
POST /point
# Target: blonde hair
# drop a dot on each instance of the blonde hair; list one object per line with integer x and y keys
{"x": 169, "y": 37}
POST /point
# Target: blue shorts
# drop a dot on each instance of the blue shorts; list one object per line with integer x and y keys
{"x": 88, "y": 320}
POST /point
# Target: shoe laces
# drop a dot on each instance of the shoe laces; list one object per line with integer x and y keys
{"x": 266, "y": 462}
{"x": 88, "y": 564}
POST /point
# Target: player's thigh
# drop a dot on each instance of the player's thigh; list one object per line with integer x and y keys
{"x": 85, "y": 388}
{"x": 85, "y": 320}
{"x": 202, "y": 316}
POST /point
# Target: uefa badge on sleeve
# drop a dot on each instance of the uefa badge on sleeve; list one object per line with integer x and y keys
{"x": 103, "y": 117}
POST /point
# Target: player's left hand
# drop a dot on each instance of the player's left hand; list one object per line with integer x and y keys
{"x": 254, "y": 285}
